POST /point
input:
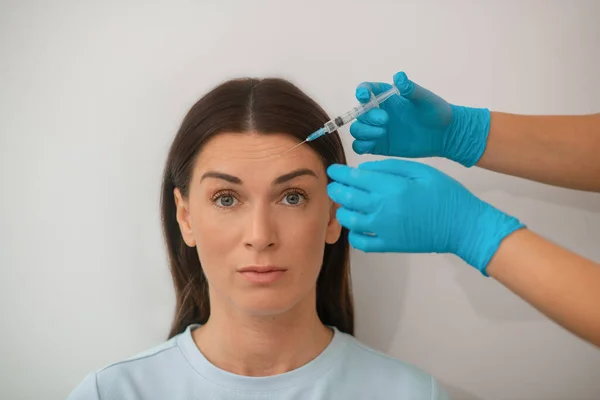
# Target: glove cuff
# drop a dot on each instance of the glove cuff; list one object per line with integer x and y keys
{"x": 466, "y": 137}
{"x": 488, "y": 232}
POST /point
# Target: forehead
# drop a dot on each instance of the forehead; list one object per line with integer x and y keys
{"x": 248, "y": 154}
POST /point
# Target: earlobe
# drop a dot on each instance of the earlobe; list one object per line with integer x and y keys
{"x": 183, "y": 218}
{"x": 334, "y": 229}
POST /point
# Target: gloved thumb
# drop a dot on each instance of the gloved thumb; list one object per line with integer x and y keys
{"x": 364, "y": 90}
{"x": 410, "y": 90}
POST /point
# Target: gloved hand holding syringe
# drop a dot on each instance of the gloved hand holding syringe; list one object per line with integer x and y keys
{"x": 337, "y": 122}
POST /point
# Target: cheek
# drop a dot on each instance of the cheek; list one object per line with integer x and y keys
{"x": 216, "y": 236}
{"x": 303, "y": 235}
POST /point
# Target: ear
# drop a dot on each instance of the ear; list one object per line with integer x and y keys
{"x": 183, "y": 218}
{"x": 334, "y": 229}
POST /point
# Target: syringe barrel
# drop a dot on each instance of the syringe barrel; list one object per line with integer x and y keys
{"x": 359, "y": 110}
{"x": 355, "y": 113}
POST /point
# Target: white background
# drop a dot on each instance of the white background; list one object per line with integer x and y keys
{"x": 92, "y": 93}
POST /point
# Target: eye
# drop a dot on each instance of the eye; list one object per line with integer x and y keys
{"x": 225, "y": 200}
{"x": 294, "y": 198}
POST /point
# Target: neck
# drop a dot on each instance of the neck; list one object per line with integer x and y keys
{"x": 262, "y": 345}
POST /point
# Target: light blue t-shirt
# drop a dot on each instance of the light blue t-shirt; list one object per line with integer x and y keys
{"x": 177, "y": 370}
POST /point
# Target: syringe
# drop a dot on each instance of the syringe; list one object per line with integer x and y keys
{"x": 338, "y": 122}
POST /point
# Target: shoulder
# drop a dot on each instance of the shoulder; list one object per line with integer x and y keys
{"x": 382, "y": 363}
{"x": 130, "y": 371}
{"x": 86, "y": 390}
{"x": 389, "y": 373}
{"x": 152, "y": 359}
{"x": 146, "y": 355}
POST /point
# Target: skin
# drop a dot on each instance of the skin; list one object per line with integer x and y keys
{"x": 560, "y": 150}
{"x": 561, "y": 284}
{"x": 246, "y": 218}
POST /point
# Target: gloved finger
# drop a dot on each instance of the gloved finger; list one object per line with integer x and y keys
{"x": 363, "y": 90}
{"x": 363, "y": 146}
{"x": 353, "y": 220}
{"x": 410, "y": 90}
{"x": 352, "y": 198}
{"x": 367, "y": 132}
{"x": 369, "y": 181}
{"x": 366, "y": 243}
{"x": 375, "y": 117}
{"x": 404, "y": 168}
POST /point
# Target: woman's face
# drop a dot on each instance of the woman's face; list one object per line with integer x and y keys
{"x": 259, "y": 221}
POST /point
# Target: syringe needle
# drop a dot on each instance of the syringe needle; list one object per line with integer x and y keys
{"x": 343, "y": 119}
{"x": 293, "y": 147}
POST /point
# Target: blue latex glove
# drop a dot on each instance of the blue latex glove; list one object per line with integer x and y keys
{"x": 408, "y": 207}
{"x": 419, "y": 124}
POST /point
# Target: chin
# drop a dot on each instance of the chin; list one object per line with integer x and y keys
{"x": 268, "y": 303}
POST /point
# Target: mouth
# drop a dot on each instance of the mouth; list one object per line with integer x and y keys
{"x": 262, "y": 274}
{"x": 261, "y": 269}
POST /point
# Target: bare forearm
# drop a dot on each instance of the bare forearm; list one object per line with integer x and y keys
{"x": 558, "y": 150}
{"x": 561, "y": 284}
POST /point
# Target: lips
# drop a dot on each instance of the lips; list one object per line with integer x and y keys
{"x": 262, "y": 275}
{"x": 260, "y": 269}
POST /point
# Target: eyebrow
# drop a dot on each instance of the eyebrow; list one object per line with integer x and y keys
{"x": 278, "y": 181}
{"x": 220, "y": 175}
{"x": 294, "y": 174}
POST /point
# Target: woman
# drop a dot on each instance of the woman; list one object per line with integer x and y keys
{"x": 259, "y": 263}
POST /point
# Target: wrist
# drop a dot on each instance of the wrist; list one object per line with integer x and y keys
{"x": 466, "y": 138}
{"x": 486, "y": 232}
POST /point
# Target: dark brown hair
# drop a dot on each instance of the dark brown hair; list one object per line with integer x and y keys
{"x": 249, "y": 105}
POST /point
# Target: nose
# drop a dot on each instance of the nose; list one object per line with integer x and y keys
{"x": 261, "y": 231}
